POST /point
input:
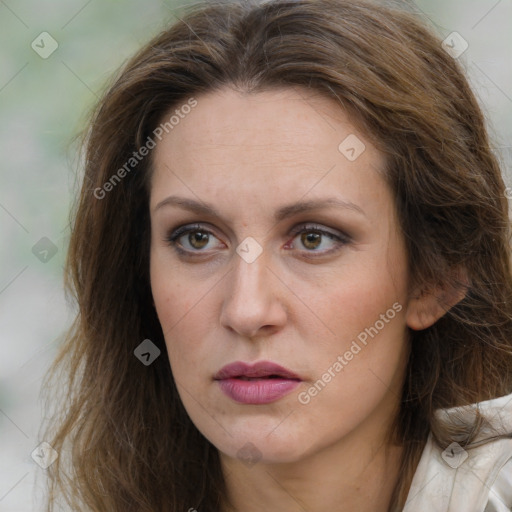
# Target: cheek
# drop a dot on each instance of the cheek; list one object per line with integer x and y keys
{"x": 184, "y": 311}
{"x": 355, "y": 299}
{"x": 360, "y": 363}
{"x": 367, "y": 334}
{"x": 185, "y": 314}
{"x": 366, "y": 342}
{"x": 173, "y": 294}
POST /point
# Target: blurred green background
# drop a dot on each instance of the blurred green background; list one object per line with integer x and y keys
{"x": 44, "y": 100}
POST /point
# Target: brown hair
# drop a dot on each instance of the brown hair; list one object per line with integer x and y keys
{"x": 125, "y": 441}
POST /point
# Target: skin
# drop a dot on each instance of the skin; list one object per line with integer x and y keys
{"x": 248, "y": 155}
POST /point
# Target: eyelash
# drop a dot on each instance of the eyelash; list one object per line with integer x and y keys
{"x": 174, "y": 236}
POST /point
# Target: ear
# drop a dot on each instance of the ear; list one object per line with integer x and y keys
{"x": 428, "y": 304}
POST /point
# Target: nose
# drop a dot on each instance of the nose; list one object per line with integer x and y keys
{"x": 254, "y": 296}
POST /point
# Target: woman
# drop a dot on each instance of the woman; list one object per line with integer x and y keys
{"x": 292, "y": 265}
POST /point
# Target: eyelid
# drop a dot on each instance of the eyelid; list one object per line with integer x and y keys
{"x": 312, "y": 226}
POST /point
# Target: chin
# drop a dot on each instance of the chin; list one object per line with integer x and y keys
{"x": 255, "y": 445}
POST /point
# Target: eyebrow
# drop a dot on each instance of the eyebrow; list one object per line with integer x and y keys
{"x": 202, "y": 208}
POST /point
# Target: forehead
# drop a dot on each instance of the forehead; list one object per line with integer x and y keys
{"x": 282, "y": 142}
{"x": 290, "y": 116}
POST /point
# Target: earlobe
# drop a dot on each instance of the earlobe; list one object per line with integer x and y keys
{"x": 427, "y": 305}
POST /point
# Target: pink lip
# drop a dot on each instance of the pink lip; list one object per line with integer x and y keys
{"x": 263, "y": 389}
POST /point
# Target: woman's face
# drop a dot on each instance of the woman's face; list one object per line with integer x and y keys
{"x": 298, "y": 260}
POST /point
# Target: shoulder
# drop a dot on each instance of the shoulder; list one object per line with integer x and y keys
{"x": 478, "y": 479}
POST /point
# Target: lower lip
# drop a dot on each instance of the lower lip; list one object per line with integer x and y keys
{"x": 261, "y": 391}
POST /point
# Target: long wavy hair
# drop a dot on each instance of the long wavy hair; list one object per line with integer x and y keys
{"x": 124, "y": 439}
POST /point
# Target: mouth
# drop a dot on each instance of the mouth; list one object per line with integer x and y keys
{"x": 261, "y": 383}
{"x": 257, "y": 371}
{"x": 243, "y": 377}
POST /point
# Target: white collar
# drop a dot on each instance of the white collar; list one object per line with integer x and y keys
{"x": 478, "y": 479}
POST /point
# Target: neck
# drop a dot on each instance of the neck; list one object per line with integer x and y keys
{"x": 342, "y": 477}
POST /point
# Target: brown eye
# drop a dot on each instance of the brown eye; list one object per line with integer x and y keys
{"x": 311, "y": 240}
{"x": 198, "y": 239}
{"x": 315, "y": 240}
{"x": 191, "y": 239}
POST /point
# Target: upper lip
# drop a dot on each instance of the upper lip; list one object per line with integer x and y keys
{"x": 258, "y": 369}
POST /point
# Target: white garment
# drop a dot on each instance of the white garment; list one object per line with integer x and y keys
{"x": 478, "y": 479}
